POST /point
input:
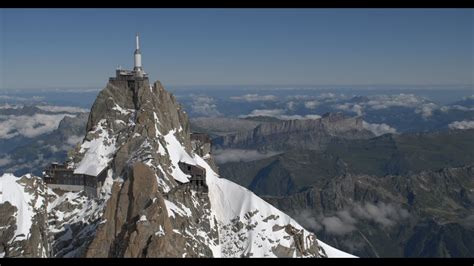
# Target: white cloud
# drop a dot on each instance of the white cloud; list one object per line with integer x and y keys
{"x": 327, "y": 95}
{"x": 378, "y": 102}
{"x": 254, "y": 98}
{"x": 332, "y": 97}
{"x": 5, "y": 160}
{"x": 379, "y": 129}
{"x": 465, "y": 124}
{"x": 9, "y": 106}
{"x": 421, "y": 105}
{"x": 204, "y": 105}
{"x": 300, "y": 97}
{"x": 306, "y": 219}
{"x": 336, "y": 225}
{"x": 426, "y": 110}
{"x": 29, "y": 126}
{"x": 299, "y": 117}
{"x": 340, "y": 223}
{"x": 62, "y": 109}
{"x": 239, "y": 155}
{"x": 384, "y": 214}
{"x": 73, "y": 140}
{"x": 345, "y": 221}
{"x": 468, "y": 97}
{"x": 266, "y": 112}
{"x": 311, "y": 104}
{"x": 290, "y": 105}
{"x": 352, "y": 107}
{"x": 53, "y": 148}
{"x": 280, "y": 114}
{"x": 456, "y": 107}
{"x": 21, "y": 99}
{"x": 30, "y": 164}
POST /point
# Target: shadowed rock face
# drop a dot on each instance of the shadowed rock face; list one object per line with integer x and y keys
{"x": 126, "y": 233}
{"x": 8, "y": 222}
{"x": 313, "y": 134}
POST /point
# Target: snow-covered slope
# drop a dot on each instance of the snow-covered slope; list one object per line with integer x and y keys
{"x": 98, "y": 152}
{"x": 232, "y": 204}
{"x": 23, "y": 210}
{"x": 14, "y": 192}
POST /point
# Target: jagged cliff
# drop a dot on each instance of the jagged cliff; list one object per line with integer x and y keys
{"x": 313, "y": 134}
{"x": 147, "y": 206}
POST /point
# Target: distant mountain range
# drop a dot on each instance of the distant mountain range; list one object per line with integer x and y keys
{"x": 312, "y": 134}
{"x": 375, "y": 196}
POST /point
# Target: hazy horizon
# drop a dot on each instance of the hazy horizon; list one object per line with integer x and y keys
{"x": 272, "y": 86}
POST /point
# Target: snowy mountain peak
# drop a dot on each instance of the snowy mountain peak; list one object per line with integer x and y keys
{"x": 150, "y": 201}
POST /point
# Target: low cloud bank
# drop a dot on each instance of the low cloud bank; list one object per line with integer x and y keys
{"x": 311, "y": 104}
{"x": 62, "y": 109}
{"x": 379, "y": 129}
{"x": 465, "y": 124}
{"x": 73, "y": 140}
{"x": 345, "y": 221}
{"x": 280, "y": 114}
{"x": 204, "y": 105}
{"x": 254, "y": 98}
{"x": 29, "y": 126}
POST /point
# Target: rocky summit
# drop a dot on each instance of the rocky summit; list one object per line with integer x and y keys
{"x": 147, "y": 204}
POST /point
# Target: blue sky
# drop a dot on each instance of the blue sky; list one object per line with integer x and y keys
{"x": 45, "y": 48}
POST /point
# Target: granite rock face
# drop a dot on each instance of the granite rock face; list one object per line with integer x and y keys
{"x": 135, "y": 211}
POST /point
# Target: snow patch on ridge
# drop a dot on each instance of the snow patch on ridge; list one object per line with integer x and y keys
{"x": 174, "y": 209}
{"x": 14, "y": 192}
{"x": 333, "y": 252}
{"x": 98, "y": 152}
{"x": 122, "y": 110}
{"x": 177, "y": 154}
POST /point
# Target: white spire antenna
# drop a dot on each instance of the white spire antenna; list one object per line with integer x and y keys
{"x": 138, "y": 58}
{"x": 138, "y": 44}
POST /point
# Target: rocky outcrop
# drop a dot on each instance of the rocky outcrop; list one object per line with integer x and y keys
{"x": 313, "y": 134}
{"x": 134, "y": 213}
{"x": 7, "y": 231}
{"x": 72, "y": 126}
